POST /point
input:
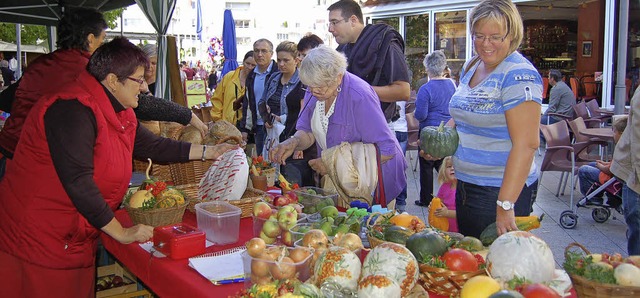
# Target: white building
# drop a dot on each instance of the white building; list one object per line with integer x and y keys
{"x": 275, "y": 20}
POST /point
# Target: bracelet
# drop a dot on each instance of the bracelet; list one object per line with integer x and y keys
{"x": 204, "y": 150}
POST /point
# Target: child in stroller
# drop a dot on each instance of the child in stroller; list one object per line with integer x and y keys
{"x": 608, "y": 186}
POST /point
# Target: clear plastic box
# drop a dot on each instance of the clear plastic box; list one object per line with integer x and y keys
{"x": 268, "y": 271}
{"x": 219, "y": 220}
{"x": 310, "y": 197}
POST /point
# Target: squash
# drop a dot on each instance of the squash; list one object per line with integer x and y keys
{"x": 627, "y": 275}
{"x": 397, "y": 234}
{"x": 426, "y": 243}
{"x": 339, "y": 266}
{"x": 395, "y": 261}
{"x": 524, "y": 223}
{"x": 374, "y": 286}
{"x": 439, "y": 141}
{"x": 520, "y": 254}
{"x": 438, "y": 222}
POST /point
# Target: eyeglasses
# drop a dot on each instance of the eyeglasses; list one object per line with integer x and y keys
{"x": 139, "y": 81}
{"x": 316, "y": 90}
{"x": 334, "y": 23}
{"x": 262, "y": 51}
{"x": 493, "y": 39}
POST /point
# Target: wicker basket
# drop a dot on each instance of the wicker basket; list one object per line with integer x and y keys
{"x": 374, "y": 241}
{"x": 249, "y": 198}
{"x": 443, "y": 281}
{"x": 159, "y": 216}
{"x": 160, "y": 172}
{"x": 591, "y": 289}
{"x": 185, "y": 173}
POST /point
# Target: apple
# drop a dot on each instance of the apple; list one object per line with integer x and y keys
{"x": 287, "y": 238}
{"x": 267, "y": 239}
{"x": 271, "y": 228}
{"x": 329, "y": 211}
{"x": 269, "y": 197}
{"x": 292, "y": 197}
{"x": 262, "y": 210}
{"x": 288, "y": 219}
{"x": 284, "y": 209}
{"x": 281, "y": 201}
{"x": 297, "y": 207}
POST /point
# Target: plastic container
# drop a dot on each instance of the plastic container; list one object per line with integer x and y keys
{"x": 263, "y": 271}
{"x": 258, "y": 222}
{"x": 358, "y": 251}
{"x": 219, "y": 220}
{"x": 314, "y": 199}
{"x": 298, "y": 231}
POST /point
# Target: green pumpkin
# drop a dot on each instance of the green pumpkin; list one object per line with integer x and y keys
{"x": 506, "y": 294}
{"x": 397, "y": 234}
{"x": 424, "y": 244}
{"x": 439, "y": 141}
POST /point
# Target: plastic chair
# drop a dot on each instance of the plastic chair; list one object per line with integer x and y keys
{"x": 588, "y": 84}
{"x": 580, "y": 110}
{"x": 413, "y": 142}
{"x": 560, "y": 155}
{"x": 545, "y": 88}
{"x": 573, "y": 82}
{"x": 593, "y": 108}
{"x": 577, "y": 125}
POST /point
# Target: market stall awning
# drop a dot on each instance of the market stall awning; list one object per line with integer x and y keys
{"x": 12, "y": 47}
{"x": 48, "y": 12}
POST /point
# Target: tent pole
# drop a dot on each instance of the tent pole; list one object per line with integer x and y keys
{"x": 623, "y": 27}
{"x": 18, "y": 73}
{"x": 52, "y": 37}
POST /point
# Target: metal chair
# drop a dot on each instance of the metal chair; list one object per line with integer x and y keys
{"x": 413, "y": 142}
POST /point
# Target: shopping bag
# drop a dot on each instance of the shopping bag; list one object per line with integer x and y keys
{"x": 272, "y": 139}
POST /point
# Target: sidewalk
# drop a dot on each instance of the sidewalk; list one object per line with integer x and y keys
{"x": 608, "y": 237}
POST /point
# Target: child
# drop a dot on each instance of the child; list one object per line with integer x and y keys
{"x": 447, "y": 193}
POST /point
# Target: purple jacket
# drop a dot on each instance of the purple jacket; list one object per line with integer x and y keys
{"x": 357, "y": 117}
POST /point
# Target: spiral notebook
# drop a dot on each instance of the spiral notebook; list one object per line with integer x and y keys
{"x": 222, "y": 265}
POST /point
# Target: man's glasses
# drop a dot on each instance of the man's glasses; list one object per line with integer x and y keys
{"x": 334, "y": 23}
{"x": 493, "y": 39}
{"x": 139, "y": 81}
{"x": 261, "y": 51}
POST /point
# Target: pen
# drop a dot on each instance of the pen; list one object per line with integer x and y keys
{"x": 227, "y": 281}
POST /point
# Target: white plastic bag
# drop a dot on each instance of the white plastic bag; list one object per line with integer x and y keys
{"x": 227, "y": 177}
{"x": 272, "y": 139}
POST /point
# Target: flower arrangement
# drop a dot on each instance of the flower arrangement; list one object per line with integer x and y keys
{"x": 260, "y": 167}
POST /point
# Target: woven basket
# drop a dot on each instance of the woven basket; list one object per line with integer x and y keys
{"x": 249, "y": 198}
{"x": 374, "y": 241}
{"x": 591, "y": 289}
{"x": 443, "y": 281}
{"x": 159, "y": 216}
{"x": 160, "y": 172}
{"x": 189, "y": 172}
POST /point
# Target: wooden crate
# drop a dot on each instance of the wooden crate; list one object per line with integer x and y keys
{"x": 130, "y": 289}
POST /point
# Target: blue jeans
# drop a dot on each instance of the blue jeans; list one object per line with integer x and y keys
{"x": 631, "y": 203}
{"x": 401, "y": 199}
{"x": 476, "y": 206}
{"x": 260, "y": 136}
{"x": 588, "y": 175}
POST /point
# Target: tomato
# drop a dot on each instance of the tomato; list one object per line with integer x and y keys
{"x": 538, "y": 291}
{"x": 259, "y": 158}
{"x": 460, "y": 260}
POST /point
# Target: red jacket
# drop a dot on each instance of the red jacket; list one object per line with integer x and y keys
{"x": 44, "y": 75}
{"x": 39, "y": 223}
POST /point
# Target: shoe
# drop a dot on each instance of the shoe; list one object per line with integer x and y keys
{"x": 421, "y": 204}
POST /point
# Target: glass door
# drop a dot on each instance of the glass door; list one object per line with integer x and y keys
{"x": 416, "y": 32}
{"x": 451, "y": 37}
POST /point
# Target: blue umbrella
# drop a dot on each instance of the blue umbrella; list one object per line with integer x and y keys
{"x": 229, "y": 43}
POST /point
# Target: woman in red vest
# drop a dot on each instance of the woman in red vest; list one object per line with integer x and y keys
{"x": 70, "y": 171}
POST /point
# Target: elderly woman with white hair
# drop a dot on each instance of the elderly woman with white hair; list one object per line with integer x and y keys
{"x": 154, "y": 108}
{"x": 341, "y": 108}
{"x": 432, "y": 107}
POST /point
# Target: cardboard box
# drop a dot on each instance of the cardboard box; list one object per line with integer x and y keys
{"x": 130, "y": 281}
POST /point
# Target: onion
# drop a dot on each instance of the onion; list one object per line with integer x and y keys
{"x": 350, "y": 241}
{"x": 299, "y": 254}
{"x": 315, "y": 239}
{"x": 284, "y": 269}
{"x": 255, "y": 247}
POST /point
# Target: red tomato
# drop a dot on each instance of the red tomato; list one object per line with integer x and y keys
{"x": 259, "y": 159}
{"x": 460, "y": 260}
{"x": 538, "y": 291}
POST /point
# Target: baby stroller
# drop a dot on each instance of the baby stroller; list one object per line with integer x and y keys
{"x": 601, "y": 212}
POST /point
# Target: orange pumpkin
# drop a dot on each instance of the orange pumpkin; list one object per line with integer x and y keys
{"x": 438, "y": 222}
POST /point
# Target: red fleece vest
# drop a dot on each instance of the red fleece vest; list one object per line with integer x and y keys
{"x": 39, "y": 223}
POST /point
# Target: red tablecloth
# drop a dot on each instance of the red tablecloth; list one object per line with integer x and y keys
{"x": 174, "y": 278}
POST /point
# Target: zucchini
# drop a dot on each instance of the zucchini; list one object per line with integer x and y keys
{"x": 524, "y": 223}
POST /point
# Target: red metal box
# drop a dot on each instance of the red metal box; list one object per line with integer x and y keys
{"x": 179, "y": 241}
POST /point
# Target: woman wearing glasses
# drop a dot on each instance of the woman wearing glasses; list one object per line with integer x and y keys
{"x": 496, "y": 110}
{"x": 71, "y": 170}
{"x": 342, "y": 108}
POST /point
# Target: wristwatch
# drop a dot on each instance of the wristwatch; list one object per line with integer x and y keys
{"x": 506, "y": 205}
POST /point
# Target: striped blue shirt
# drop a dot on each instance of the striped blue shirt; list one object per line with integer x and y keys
{"x": 479, "y": 114}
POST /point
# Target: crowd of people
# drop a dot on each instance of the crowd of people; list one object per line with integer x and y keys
{"x": 78, "y": 132}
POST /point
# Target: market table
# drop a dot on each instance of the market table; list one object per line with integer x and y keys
{"x": 174, "y": 278}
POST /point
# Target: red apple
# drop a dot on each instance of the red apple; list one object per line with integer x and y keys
{"x": 287, "y": 220}
{"x": 281, "y": 201}
{"x": 538, "y": 291}
{"x": 297, "y": 207}
{"x": 262, "y": 210}
{"x": 293, "y": 198}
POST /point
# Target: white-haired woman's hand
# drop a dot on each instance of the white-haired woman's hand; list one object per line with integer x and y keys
{"x": 282, "y": 151}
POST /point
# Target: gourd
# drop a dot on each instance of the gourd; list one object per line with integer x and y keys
{"x": 426, "y": 243}
{"x": 375, "y": 286}
{"x": 439, "y": 141}
{"x": 395, "y": 261}
{"x": 397, "y": 234}
{"x": 524, "y": 223}
{"x": 627, "y": 275}
{"x": 520, "y": 254}
{"x": 339, "y": 266}
{"x": 438, "y": 222}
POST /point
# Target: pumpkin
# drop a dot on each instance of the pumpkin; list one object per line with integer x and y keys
{"x": 524, "y": 223}
{"x": 520, "y": 254}
{"x": 397, "y": 234}
{"x": 438, "y": 222}
{"x": 339, "y": 266}
{"x": 395, "y": 261}
{"x": 439, "y": 141}
{"x": 427, "y": 243}
{"x": 374, "y": 286}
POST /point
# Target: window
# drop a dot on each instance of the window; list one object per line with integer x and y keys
{"x": 193, "y": 23}
{"x": 193, "y": 4}
{"x": 392, "y": 21}
{"x": 283, "y": 36}
{"x": 416, "y": 30}
{"x": 451, "y": 37}
{"x": 243, "y": 41}
{"x": 238, "y": 5}
{"x": 242, "y": 23}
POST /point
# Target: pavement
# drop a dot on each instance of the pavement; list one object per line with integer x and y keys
{"x": 608, "y": 237}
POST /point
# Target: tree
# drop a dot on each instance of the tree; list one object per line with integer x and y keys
{"x": 31, "y": 34}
